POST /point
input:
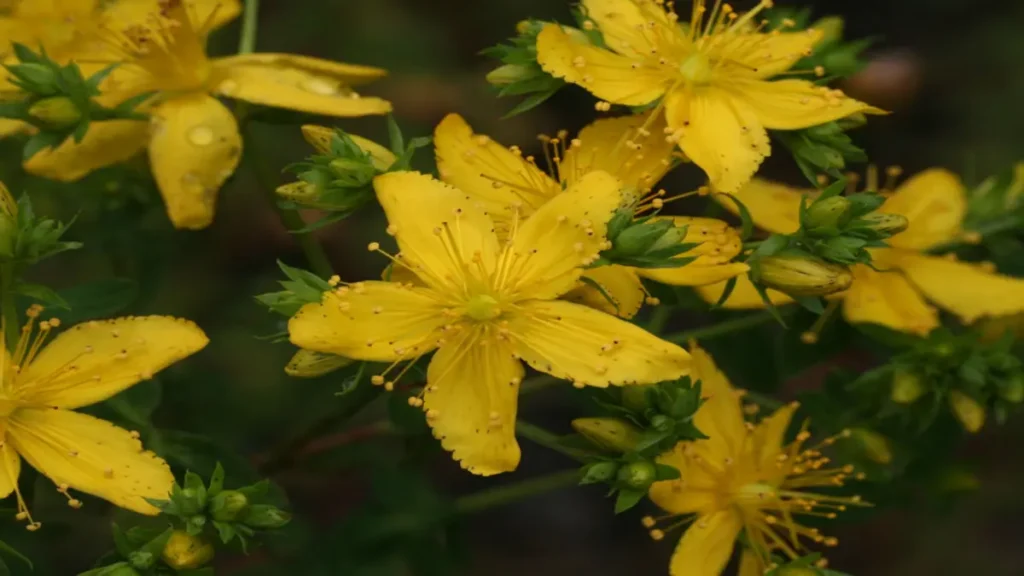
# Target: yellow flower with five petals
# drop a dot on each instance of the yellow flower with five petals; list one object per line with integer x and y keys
{"x": 742, "y": 478}
{"x": 486, "y": 306}
{"x": 193, "y": 140}
{"x": 716, "y": 78}
{"x": 895, "y": 295}
{"x": 42, "y": 384}
{"x": 511, "y": 186}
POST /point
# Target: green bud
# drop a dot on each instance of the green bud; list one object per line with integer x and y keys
{"x": 804, "y": 275}
{"x": 638, "y": 238}
{"x": 228, "y": 505}
{"x": 35, "y": 73}
{"x": 890, "y": 224}
{"x": 967, "y": 410}
{"x": 638, "y": 475}
{"x": 831, "y": 28}
{"x": 829, "y": 213}
{"x": 599, "y": 472}
{"x": 661, "y": 423}
{"x": 56, "y": 113}
{"x": 142, "y": 559}
{"x": 635, "y": 397}
{"x": 906, "y": 387}
{"x": 266, "y": 516}
{"x": 672, "y": 237}
{"x": 300, "y": 191}
{"x": 612, "y": 434}
{"x": 875, "y": 446}
{"x": 1013, "y": 389}
{"x": 508, "y": 74}
{"x": 186, "y": 552}
{"x": 189, "y": 503}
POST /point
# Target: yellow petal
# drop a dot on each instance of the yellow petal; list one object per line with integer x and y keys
{"x": 430, "y": 219}
{"x": 743, "y": 296}
{"x": 578, "y": 343}
{"x": 750, "y": 564}
{"x": 632, "y": 27}
{"x": 720, "y": 133}
{"x": 619, "y": 283}
{"x": 94, "y": 360}
{"x": 616, "y": 146}
{"x": 696, "y": 491}
{"x": 887, "y": 298}
{"x": 773, "y": 207}
{"x": 320, "y": 137}
{"x": 92, "y": 456}
{"x": 767, "y": 443}
{"x": 765, "y": 55}
{"x": 796, "y": 104}
{"x": 297, "y": 83}
{"x": 312, "y": 364}
{"x": 106, "y": 143}
{"x": 10, "y": 469}
{"x": 194, "y": 148}
{"x": 207, "y": 14}
{"x": 376, "y": 321}
{"x": 551, "y": 247}
{"x": 707, "y": 545}
{"x": 10, "y": 127}
{"x": 605, "y": 74}
{"x": 720, "y": 416}
{"x": 935, "y": 202}
{"x": 717, "y": 244}
{"x": 963, "y": 289}
{"x": 473, "y": 384}
{"x": 490, "y": 172}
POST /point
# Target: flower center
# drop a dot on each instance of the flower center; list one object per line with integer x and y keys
{"x": 755, "y": 493}
{"x": 696, "y": 69}
{"x": 483, "y": 308}
{"x": 7, "y": 407}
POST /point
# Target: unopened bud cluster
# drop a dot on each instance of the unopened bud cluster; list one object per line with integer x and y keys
{"x": 645, "y": 242}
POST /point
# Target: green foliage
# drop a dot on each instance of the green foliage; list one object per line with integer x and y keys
{"x": 300, "y": 288}
{"x": 646, "y": 242}
{"x": 823, "y": 149}
{"x": 59, "y": 100}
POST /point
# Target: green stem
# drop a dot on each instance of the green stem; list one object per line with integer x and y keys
{"x": 8, "y": 307}
{"x": 548, "y": 440}
{"x": 659, "y": 317}
{"x": 531, "y": 385}
{"x": 511, "y": 492}
{"x": 250, "y": 23}
{"x": 721, "y": 328}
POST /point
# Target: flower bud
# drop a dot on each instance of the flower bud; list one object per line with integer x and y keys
{"x": 311, "y": 364}
{"x": 638, "y": 475}
{"x": 890, "y": 224}
{"x": 599, "y": 472}
{"x": 967, "y": 410}
{"x": 804, "y": 276}
{"x": 828, "y": 213}
{"x": 874, "y": 445}
{"x": 56, "y": 113}
{"x": 612, "y": 434}
{"x": 142, "y": 559}
{"x": 672, "y": 237}
{"x": 1013, "y": 389}
{"x": 906, "y": 387}
{"x": 661, "y": 423}
{"x": 228, "y": 505}
{"x": 186, "y": 552}
{"x": 635, "y": 397}
{"x": 189, "y": 503}
{"x": 831, "y": 28}
{"x": 265, "y": 516}
{"x": 638, "y": 238}
{"x": 35, "y": 73}
{"x": 508, "y": 74}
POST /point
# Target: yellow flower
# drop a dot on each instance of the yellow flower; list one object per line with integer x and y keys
{"x": 42, "y": 384}
{"x": 742, "y": 478}
{"x": 934, "y": 202}
{"x": 486, "y": 305}
{"x": 510, "y": 185}
{"x": 193, "y": 140}
{"x": 69, "y": 29}
{"x": 714, "y": 78}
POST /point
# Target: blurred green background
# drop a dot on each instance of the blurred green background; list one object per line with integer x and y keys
{"x": 364, "y": 504}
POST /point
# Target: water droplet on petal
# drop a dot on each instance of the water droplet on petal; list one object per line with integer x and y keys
{"x": 201, "y": 135}
{"x": 321, "y": 86}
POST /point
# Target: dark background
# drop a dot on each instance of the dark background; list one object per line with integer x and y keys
{"x": 949, "y": 70}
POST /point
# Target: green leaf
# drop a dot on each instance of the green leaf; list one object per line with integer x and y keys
{"x": 225, "y": 530}
{"x": 93, "y": 300}
{"x": 137, "y": 404}
{"x": 627, "y": 499}
{"x": 216, "y": 481}
{"x": 746, "y": 220}
{"x": 665, "y": 472}
{"x": 6, "y": 549}
{"x": 42, "y": 294}
{"x": 396, "y": 140}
